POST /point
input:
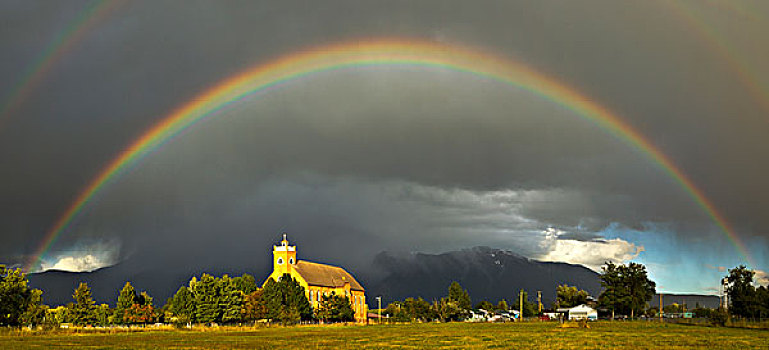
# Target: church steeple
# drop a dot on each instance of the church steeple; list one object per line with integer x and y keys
{"x": 283, "y": 256}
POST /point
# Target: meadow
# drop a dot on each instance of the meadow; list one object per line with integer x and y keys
{"x": 534, "y": 335}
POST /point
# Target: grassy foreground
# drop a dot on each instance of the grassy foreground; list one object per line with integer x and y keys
{"x": 546, "y": 335}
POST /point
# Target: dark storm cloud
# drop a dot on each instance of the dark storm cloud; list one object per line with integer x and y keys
{"x": 435, "y": 131}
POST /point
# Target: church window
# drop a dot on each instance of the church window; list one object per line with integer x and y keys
{"x": 291, "y": 261}
{"x": 280, "y": 261}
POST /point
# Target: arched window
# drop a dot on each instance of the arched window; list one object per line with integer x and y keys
{"x": 280, "y": 261}
{"x": 291, "y": 261}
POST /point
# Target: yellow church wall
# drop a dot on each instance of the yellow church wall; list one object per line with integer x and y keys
{"x": 284, "y": 258}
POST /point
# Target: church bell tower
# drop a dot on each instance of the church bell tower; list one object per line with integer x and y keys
{"x": 283, "y": 257}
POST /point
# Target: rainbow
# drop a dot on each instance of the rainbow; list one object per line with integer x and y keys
{"x": 720, "y": 46}
{"x": 89, "y": 16}
{"x": 377, "y": 53}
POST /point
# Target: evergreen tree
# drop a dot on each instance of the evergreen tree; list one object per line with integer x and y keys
{"x": 232, "y": 300}
{"x": 83, "y": 310}
{"x": 286, "y": 301}
{"x": 335, "y": 308}
{"x": 207, "y": 299}
{"x": 102, "y": 314}
{"x": 125, "y": 301}
{"x": 245, "y": 284}
{"x": 183, "y": 306}
{"x": 460, "y": 296}
{"x": 502, "y": 305}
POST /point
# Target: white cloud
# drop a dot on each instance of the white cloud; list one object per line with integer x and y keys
{"x": 719, "y": 268}
{"x": 591, "y": 254}
{"x": 84, "y": 256}
{"x": 761, "y": 278}
{"x": 83, "y": 263}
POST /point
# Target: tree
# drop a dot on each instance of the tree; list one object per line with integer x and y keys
{"x": 460, "y": 296}
{"x": 567, "y": 296}
{"x": 485, "y": 305}
{"x": 742, "y": 294}
{"x": 245, "y": 284}
{"x": 286, "y": 301}
{"x": 18, "y": 303}
{"x": 529, "y": 309}
{"x": 142, "y": 310}
{"x": 640, "y": 288}
{"x": 35, "y": 311}
{"x": 502, "y": 305}
{"x": 335, "y": 308}
{"x": 183, "y": 306}
{"x": 125, "y": 301}
{"x": 417, "y": 310}
{"x": 207, "y": 297}
{"x": 254, "y": 306}
{"x": 627, "y": 289}
{"x": 102, "y": 314}
{"x": 447, "y": 310}
{"x": 231, "y": 300}
{"x": 83, "y": 310}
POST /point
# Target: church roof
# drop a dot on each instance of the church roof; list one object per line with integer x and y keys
{"x": 325, "y": 275}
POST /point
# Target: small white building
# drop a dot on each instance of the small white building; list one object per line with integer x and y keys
{"x": 582, "y": 312}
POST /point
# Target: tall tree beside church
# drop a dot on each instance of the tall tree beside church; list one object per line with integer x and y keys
{"x": 125, "y": 301}
{"x": 335, "y": 308}
{"x": 286, "y": 301}
{"x": 84, "y": 309}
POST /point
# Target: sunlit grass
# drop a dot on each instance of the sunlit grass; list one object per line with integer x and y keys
{"x": 546, "y": 335}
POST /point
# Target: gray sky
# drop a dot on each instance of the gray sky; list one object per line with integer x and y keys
{"x": 390, "y": 159}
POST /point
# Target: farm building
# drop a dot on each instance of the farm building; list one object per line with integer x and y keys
{"x": 317, "y": 279}
{"x": 583, "y": 311}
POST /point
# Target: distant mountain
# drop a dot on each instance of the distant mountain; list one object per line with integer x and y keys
{"x": 487, "y": 274}
{"x": 691, "y": 300}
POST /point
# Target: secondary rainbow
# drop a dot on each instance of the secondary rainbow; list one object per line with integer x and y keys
{"x": 75, "y": 31}
{"x": 359, "y": 55}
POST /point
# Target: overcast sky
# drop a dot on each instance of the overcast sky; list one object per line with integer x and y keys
{"x": 399, "y": 159}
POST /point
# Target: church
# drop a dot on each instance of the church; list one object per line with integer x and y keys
{"x": 317, "y": 279}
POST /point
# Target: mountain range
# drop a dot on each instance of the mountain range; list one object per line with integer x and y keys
{"x": 487, "y": 273}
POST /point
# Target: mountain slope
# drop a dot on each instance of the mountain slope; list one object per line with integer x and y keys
{"x": 487, "y": 274}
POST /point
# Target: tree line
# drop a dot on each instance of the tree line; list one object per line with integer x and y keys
{"x": 206, "y": 300}
{"x": 627, "y": 291}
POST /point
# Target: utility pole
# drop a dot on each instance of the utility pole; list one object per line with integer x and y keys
{"x": 520, "y": 294}
{"x": 539, "y": 300}
{"x": 660, "y": 307}
{"x": 379, "y": 300}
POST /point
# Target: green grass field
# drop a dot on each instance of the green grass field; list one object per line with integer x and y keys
{"x": 535, "y": 335}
